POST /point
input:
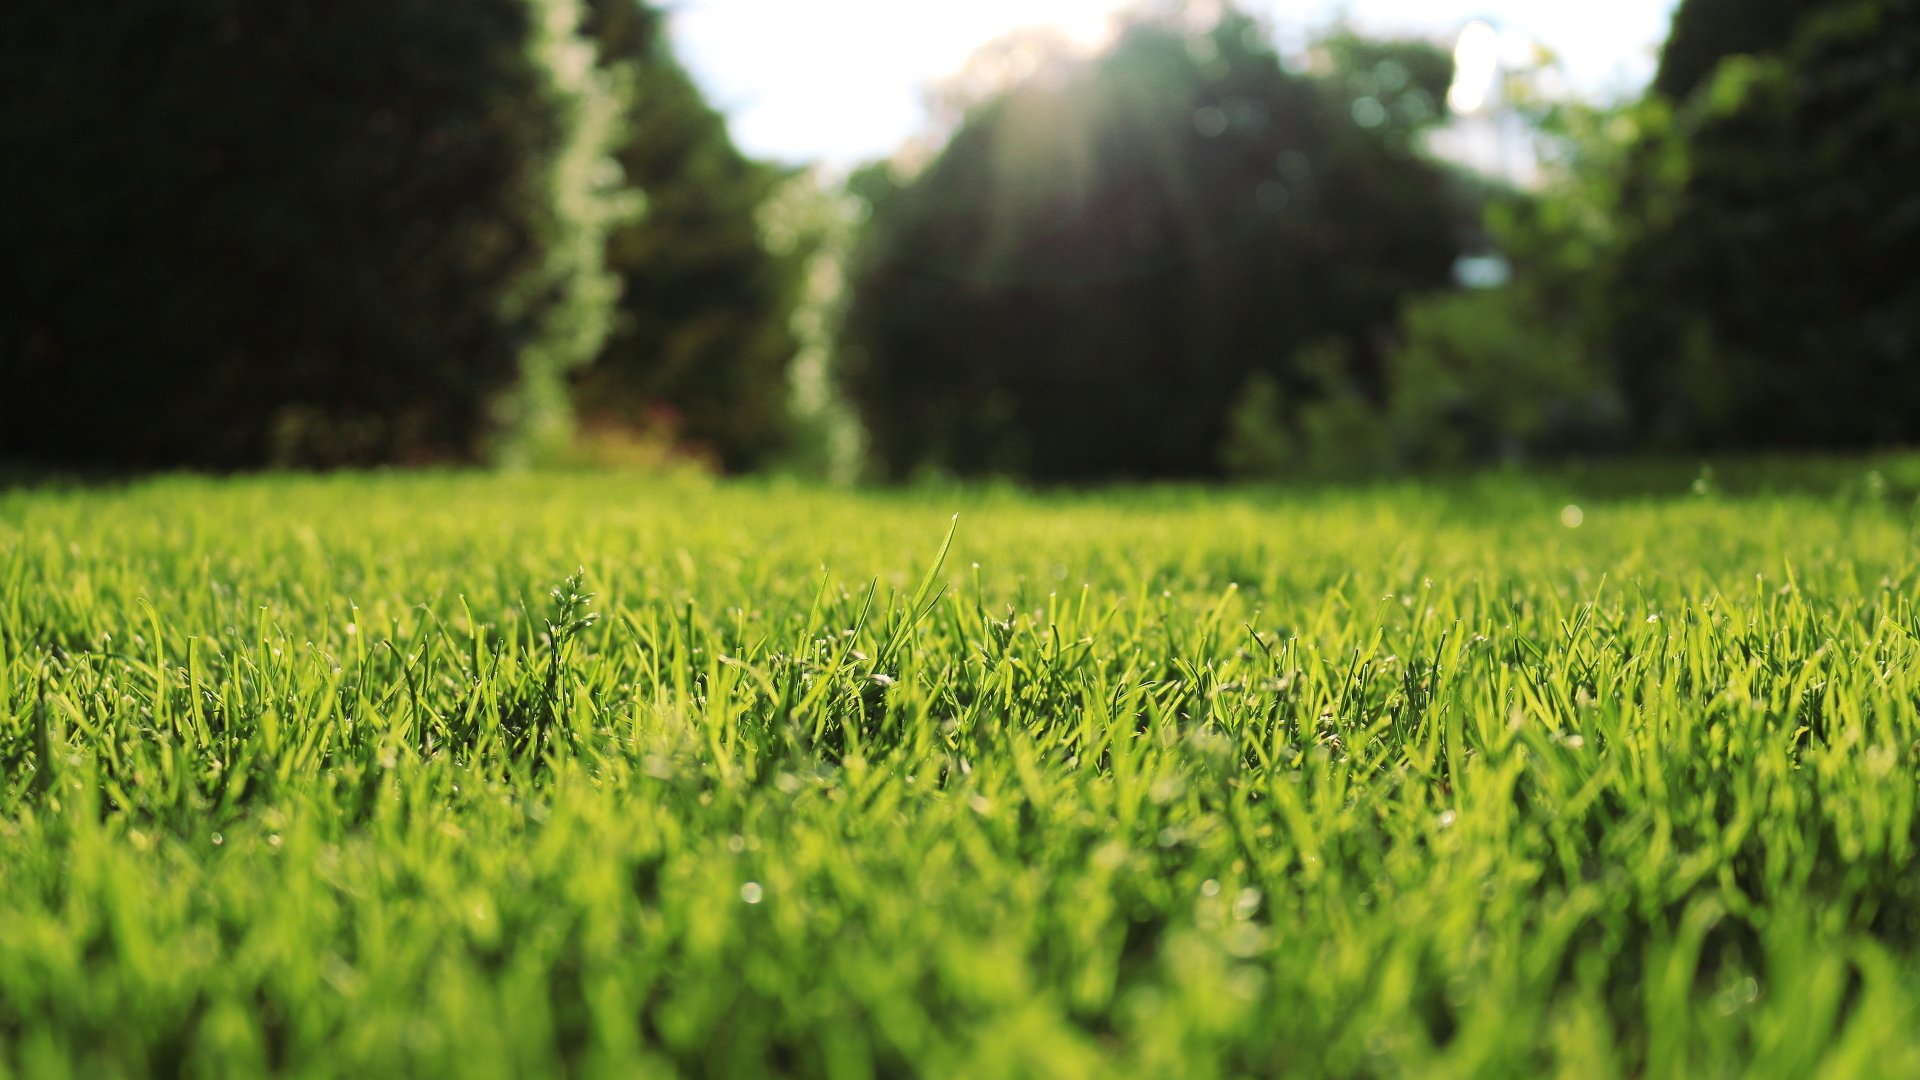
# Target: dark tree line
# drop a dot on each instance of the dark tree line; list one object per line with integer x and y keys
{"x": 1180, "y": 255}
{"x": 234, "y": 228}
{"x": 1770, "y": 294}
{"x": 1726, "y": 263}
{"x": 239, "y": 233}
{"x": 365, "y": 231}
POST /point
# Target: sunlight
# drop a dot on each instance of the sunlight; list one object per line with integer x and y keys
{"x": 1476, "y": 64}
{"x": 844, "y": 80}
{"x": 843, "y": 51}
{"x": 1086, "y": 23}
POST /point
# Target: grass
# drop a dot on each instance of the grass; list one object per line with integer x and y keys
{"x": 359, "y": 776}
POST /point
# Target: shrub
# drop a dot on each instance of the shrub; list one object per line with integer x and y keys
{"x": 1483, "y": 376}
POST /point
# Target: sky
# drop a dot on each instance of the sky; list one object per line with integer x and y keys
{"x": 841, "y": 81}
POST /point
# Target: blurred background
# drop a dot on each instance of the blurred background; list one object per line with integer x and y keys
{"x": 1060, "y": 241}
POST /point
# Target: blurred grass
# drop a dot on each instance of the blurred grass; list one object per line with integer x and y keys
{"x": 350, "y": 775}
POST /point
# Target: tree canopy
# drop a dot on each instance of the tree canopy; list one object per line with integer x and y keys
{"x": 1104, "y": 254}
{"x": 1766, "y": 296}
{"x": 1706, "y": 32}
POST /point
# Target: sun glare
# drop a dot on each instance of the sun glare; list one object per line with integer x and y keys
{"x": 846, "y": 80}
{"x": 1086, "y": 23}
{"x": 1476, "y": 65}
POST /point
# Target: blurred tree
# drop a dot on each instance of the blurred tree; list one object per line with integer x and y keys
{"x": 1104, "y": 254}
{"x": 1519, "y": 371}
{"x": 1706, "y": 32}
{"x": 814, "y": 219}
{"x": 703, "y": 338}
{"x": 330, "y": 233}
{"x": 1768, "y": 294}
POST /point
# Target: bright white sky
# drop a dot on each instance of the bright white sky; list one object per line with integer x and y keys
{"x": 840, "y": 81}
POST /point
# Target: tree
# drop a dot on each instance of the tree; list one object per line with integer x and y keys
{"x": 358, "y": 231}
{"x": 1768, "y": 297}
{"x": 703, "y": 332}
{"x": 1705, "y": 32}
{"x": 1083, "y": 280}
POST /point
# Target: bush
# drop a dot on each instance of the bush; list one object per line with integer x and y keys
{"x": 1333, "y": 433}
{"x": 1484, "y": 376}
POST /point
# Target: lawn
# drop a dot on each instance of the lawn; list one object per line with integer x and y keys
{"x": 1585, "y": 773}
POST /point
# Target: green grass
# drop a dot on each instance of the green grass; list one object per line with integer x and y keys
{"x": 323, "y": 777}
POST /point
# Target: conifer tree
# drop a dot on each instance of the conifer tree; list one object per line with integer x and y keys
{"x": 703, "y": 338}
{"x": 366, "y": 230}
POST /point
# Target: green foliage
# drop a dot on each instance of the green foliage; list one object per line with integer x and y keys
{"x": 1728, "y": 253}
{"x": 1104, "y": 253}
{"x": 1258, "y": 444}
{"x": 1706, "y": 32}
{"x": 1336, "y": 433}
{"x": 1407, "y": 79}
{"x": 1768, "y": 297}
{"x": 1483, "y": 376}
{"x": 319, "y": 233}
{"x": 815, "y": 219}
{"x": 323, "y": 776}
{"x": 703, "y": 337}
{"x": 1472, "y": 378}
